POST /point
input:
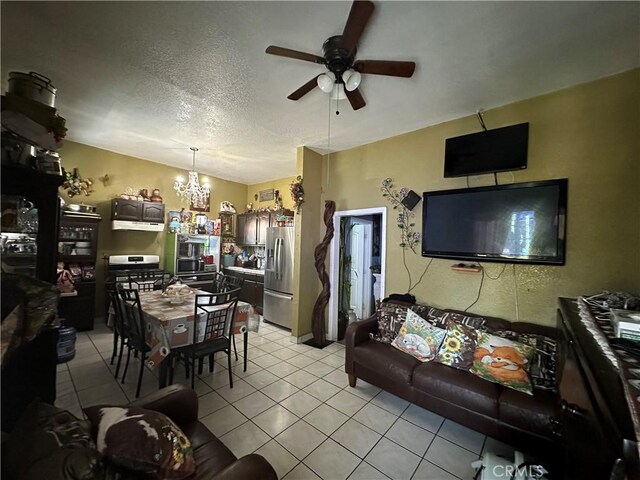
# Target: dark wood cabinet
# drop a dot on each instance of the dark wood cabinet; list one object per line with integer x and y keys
{"x": 135, "y": 211}
{"x": 595, "y": 419}
{"x": 252, "y": 227}
{"x": 226, "y": 225}
{"x": 252, "y": 290}
{"x": 41, "y": 190}
{"x": 263, "y": 221}
{"x": 78, "y": 248}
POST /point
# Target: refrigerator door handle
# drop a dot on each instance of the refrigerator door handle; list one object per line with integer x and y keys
{"x": 278, "y": 259}
{"x": 278, "y": 295}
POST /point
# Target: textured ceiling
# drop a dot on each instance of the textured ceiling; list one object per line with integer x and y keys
{"x": 150, "y": 79}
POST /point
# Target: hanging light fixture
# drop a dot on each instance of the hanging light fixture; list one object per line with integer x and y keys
{"x": 192, "y": 191}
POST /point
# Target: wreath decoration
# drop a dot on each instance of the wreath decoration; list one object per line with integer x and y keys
{"x": 297, "y": 193}
{"x": 75, "y": 184}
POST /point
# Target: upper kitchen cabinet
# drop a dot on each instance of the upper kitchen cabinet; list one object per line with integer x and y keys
{"x": 252, "y": 228}
{"x": 136, "y": 211}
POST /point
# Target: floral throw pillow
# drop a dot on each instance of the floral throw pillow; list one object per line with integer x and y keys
{"x": 391, "y": 316}
{"x": 144, "y": 441}
{"x": 458, "y": 346}
{"x": 419, "y": 338}
{"x": 503, "y": 361}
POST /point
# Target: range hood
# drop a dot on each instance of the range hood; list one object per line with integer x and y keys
{"x": 139, "y": 226}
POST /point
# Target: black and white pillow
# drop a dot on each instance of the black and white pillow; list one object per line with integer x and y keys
{"x": 543, "y": 365}
{"x": 391, "y": 317}
{"x": 438, "y": 318}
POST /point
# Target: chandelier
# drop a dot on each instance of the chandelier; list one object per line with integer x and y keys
{"x": 191, "y": 191}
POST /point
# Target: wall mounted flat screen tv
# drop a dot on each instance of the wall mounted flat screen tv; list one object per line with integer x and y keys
{"x": 497, "y": 150}
{"x": 515, "y": 223}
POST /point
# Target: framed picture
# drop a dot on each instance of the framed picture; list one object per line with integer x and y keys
{"x": 201, "y": 207}
{"x": 266, "y": 195}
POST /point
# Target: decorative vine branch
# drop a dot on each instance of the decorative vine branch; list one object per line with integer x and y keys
{"x": 317, "y": 317}
{"x": 408, "y": 237}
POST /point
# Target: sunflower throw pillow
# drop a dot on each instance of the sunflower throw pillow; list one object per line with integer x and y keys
{"x": 419, "y": 338}
{"x": 458, "y": 346}
{"x": 503, "y": 361}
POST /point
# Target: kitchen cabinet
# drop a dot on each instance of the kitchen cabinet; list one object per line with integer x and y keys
{"x": 252, "y": 227}
{"x": 226, "y": 225}
{"x": 252, "y": 289}
{"x": 135, "y": 211}
{"x": 77, "y": 249}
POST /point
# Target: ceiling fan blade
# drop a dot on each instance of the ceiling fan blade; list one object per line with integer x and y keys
{"x": 355, "y": 99}
{"x": 303, "y": 90}
{"x": 385, "y": 67}
{"x": 286, "y": 52}
{"x": 359, "y": 15}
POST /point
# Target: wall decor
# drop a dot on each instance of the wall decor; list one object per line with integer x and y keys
{"x": 297, "y": 193}
{"x": 408, "y": 238}
{"x": 201, "y": 206}
{"x": 74, "y": 184}
{"x": 266, "y": 195}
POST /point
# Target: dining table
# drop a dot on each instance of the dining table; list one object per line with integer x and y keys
{"x": 170, "y": 325}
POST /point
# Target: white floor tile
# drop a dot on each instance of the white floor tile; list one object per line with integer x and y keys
{"x": 209, "y": 403}
{"x": 300, "y": 378}
{"x": 367, "y": 472}
{"x": 275, "y": 420}
{"x": 423, "y": 418}
{"x": 245, "y": 439}
{"x": 390, "y": 402}
{"x": 254, "y": 404}
{"x": 301, "y": 360}
{"x": 393, "y": 460}
{"x": 300, "y": 403}
{"x": 285, "y": 353}
{"x": 346, "y": 403}
{"x": 279, "y": 458}
{"x": 375, "y": 418}
{"x": 223, "y": 420}
{"x": 451, "y": 457}
{"x": 461, "y": 435}
{"x": 321, "y": 389}
{"x": 497, "y": 447}
{"x": 319, "y": 369}
{"x": 429, "y": 471}
{"x": 240, "y": 389}
{"x": 331, "y": 460}
{"x": 283, "y": 369}
{"x": 260, "y": 379}
{"x": 364, "y": 390}
{"x": 356, "y": 437}
{"x": 279, "y": 390}
{"x": 326, "y": 419}
{"x": 301, "y": 439}
{"x": 410, "y": 436}
{"x": 334, "y": 361}
{"x": 301, "y": 472}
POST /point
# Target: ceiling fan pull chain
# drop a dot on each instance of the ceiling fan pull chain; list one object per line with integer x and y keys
{"x": 337, "y": 107}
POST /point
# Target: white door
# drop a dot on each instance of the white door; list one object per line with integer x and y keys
{"x": 361, "y": 277}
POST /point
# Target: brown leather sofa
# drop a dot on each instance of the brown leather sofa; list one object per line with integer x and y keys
{"x": 527, "y": 422}
{"x": 214, "y": 461}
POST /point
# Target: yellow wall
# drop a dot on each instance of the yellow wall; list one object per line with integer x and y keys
{"x": 306, "y": 285}
{"x": 125, "y": 171}
{"x": 282, "y": 185}
{"x": 588, "y": 133}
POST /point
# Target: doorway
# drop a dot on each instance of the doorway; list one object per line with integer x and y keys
{"x": 357, "y": 266}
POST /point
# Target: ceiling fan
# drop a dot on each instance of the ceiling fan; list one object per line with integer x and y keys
{"x": 339, "y": 54}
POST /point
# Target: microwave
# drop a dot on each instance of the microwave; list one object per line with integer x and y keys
{"x": 187, "y": 265}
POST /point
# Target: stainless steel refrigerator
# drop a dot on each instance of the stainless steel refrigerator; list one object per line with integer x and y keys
{"x": 278, "y": 276}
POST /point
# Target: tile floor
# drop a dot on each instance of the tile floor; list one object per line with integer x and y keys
{"x": 294, "y": 406}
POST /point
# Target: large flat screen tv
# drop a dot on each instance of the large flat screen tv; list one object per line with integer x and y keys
{"x": 497, "y": 150}
{"x": 515, "y": 223}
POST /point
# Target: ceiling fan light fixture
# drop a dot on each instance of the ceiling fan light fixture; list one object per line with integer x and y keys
{"x": 351, "y": 79}
{"x": 338, "y": 92}
{"x": 326, "y": 81}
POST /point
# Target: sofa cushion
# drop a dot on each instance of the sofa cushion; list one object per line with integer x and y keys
{"x": 143, "y": 441}
{"x": 391, "y": 316}
{"x": 419, "y": 338}
{"x": 529, "y": 412}
{"x": 48, "y": 442}
{"x": 503, "y": 361}
{"x": 458, "y": 387}
{"x": 211, "y": 455}
{"x": 458, "y": 346}
{"x": 388, "y": 362}
{"x": 439, "y": 318}
{"x": 542, "y": 369}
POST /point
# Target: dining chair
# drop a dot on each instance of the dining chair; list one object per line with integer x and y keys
{"x": 136, "y": 329}
{"x": 223, "y": 283}
{"x": 147, "y": 280}
{"x": 120, "y": 326}
{"x": 211, "y": 333}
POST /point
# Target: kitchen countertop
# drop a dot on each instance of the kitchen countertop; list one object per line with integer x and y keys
{"x": 254, "y": 271}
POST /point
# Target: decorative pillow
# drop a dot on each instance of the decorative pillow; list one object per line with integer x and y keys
{"x": 391, "y": 316}
{"x": 458, "y": 346}
{"x": 438, "y": 317}
{"x": 48, "y": 442}
{"x": 503, "y": 361}
{"x": 419, "y": 338}
{"x": 143, "y": 440}
{"x": 542, "y": 369}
